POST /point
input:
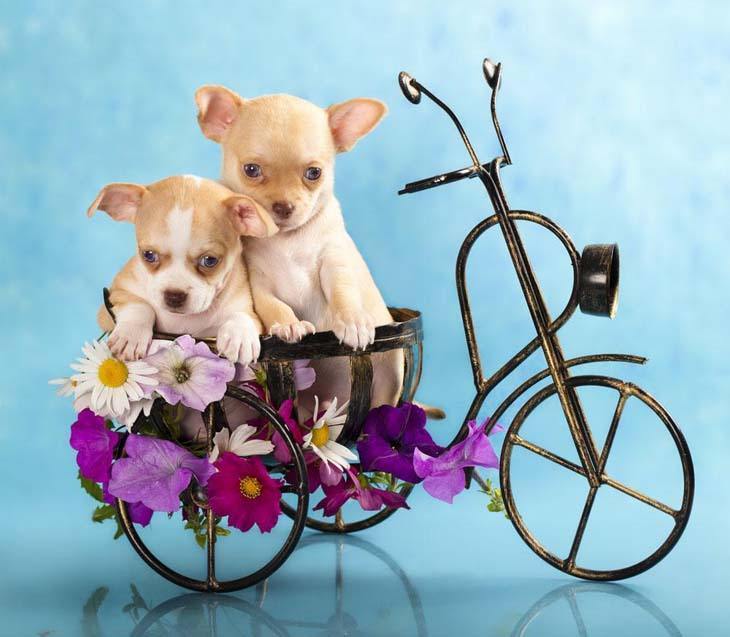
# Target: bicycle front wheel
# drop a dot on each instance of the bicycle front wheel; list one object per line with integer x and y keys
{"x": 649, "y": 442}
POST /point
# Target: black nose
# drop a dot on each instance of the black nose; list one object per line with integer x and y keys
{"x": 283, "y": 209}
{"x": 175, "y": 298}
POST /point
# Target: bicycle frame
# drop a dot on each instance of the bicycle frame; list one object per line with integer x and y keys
{"x": 546, "y": 328}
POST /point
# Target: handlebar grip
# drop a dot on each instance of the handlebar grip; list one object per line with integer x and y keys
{"x": 410, "y": 88}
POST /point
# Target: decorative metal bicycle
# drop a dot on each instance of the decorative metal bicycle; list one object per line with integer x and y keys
{"x": 595, "y": 289}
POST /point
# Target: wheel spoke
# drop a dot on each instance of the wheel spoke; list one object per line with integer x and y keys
{"x": 570, "y": 562}
{"x": 577, "y": 616}
{"x": 618, "y": 412}
{"x": 290, "y": 488}
{"x": 540, "y": 451}
{"x": 637, "y": 495}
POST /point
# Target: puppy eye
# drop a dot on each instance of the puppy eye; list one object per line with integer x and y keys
{"x": 252, "y": 170}
{"x": 208, "y": 261}
{"x": 150, "y": 256}
{"x": 313, "y": 173}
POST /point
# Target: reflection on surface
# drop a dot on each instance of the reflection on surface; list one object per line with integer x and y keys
{"x": 360, "y": 589}
{"x": 571, "y": 593}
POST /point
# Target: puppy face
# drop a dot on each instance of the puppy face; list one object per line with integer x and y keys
{"x": 281, "y": 149}
{"x": 187, "y": 236}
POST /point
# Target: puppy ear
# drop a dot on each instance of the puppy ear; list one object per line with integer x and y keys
{"x": 120, "y": 201}
{"x": 217, "y": 110}
{"x": 248, "y": 218}
{"x": 351, "y": 120}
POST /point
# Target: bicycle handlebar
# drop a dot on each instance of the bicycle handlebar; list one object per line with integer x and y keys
{"x": 414, "y": 90}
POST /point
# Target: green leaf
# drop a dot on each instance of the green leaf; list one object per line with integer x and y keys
{"x": 202, "y": 540}
{"x": 91, "y": 487}
{"x": 221, "y": 530}
{"x": 104, "y": 512}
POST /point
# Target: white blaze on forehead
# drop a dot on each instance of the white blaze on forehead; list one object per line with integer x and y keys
{"x": 179, "y": 228}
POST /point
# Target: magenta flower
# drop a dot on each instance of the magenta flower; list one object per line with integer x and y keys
{"x": 318, "y": 473}
{"x": 281, "y": 451}
{"x": 370, "y": 498}
{"x": 156, "y": 472}
{"x": 391, "y": 435}
{"x": 188, "y": 372}
{"x": 444, "y": 475}
{"x": 95, "y": 445}
{"x": 243, "y": 490}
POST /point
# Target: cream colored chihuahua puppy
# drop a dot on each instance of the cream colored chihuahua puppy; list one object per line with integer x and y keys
{"x": 188, "y": 276}
{"x": 281, "y": 150}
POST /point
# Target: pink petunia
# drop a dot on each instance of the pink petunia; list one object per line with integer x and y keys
{"x": 370, "y": 498}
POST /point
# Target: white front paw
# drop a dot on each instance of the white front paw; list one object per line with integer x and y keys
{"x": 130, "y": 341}
{"x": 292, "y": 332}
{"x": 238, "y": 340}
{"x": 357, "y": 330}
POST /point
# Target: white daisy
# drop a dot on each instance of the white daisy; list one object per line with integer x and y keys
{"x": 113, "y": 383}
{"x": 129, "y": 417}
{"x": 66, "y": 386}
{"x": 239, "y": 443}
{"x": 327, "y": 428}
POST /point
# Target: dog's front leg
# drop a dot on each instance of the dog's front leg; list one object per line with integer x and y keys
{"x": 351, "y": 322}
{"x": 278, "y": 318}
{"x": 238, "y": 338}
{"x": 131, "y": 337}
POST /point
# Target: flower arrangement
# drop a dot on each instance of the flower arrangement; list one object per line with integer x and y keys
{"x": 131, "y": 443}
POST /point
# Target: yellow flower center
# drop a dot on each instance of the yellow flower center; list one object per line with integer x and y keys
{"x": 250, "y": 487}
{"x": 113, "y": 373}
{"x": 320, "y": 436}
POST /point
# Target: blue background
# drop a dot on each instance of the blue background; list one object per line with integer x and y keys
{"x": 616, "y": 117}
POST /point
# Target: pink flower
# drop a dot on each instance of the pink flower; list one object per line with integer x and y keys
{"x": 304, "y": 375}
{"x": 444, "y": 474}
{"x": 243, "y": 491}
{"x": 352, "y": 487}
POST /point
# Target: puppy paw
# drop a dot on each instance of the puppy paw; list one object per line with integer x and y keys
{"x": 357, "y": 330}
{"x": 130, "y": 341}
{"x": 292, "y": 332}
{"x": 238, "y": 341}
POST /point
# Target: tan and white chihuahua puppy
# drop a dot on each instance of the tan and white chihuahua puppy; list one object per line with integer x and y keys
{"x": 281, "y": 150}
{"x": 188, "y": 276}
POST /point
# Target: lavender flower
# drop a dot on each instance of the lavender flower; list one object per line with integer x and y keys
{"x": 155, "y": 472}
{"x": 444, "y": 474}
{"x": 188, "y": 372}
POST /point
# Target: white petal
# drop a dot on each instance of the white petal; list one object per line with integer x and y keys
{"x": 334, "y": 458}
{"x": 254, "y": 448}
{"x": 318, "y": 451}
{"x": 240, "y": 435}
{"x": 340, "y": 450}
{"x": 335, "y": 431}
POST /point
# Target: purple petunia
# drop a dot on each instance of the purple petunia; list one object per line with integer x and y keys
{"x": 95, "y": 444}
{"x": 189, "y": 373}
{"x": 444, "y": 475}
{"x": 391, "y": 436}
{"x": 155, "y": 472}
{"x": 138, "y": 512}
